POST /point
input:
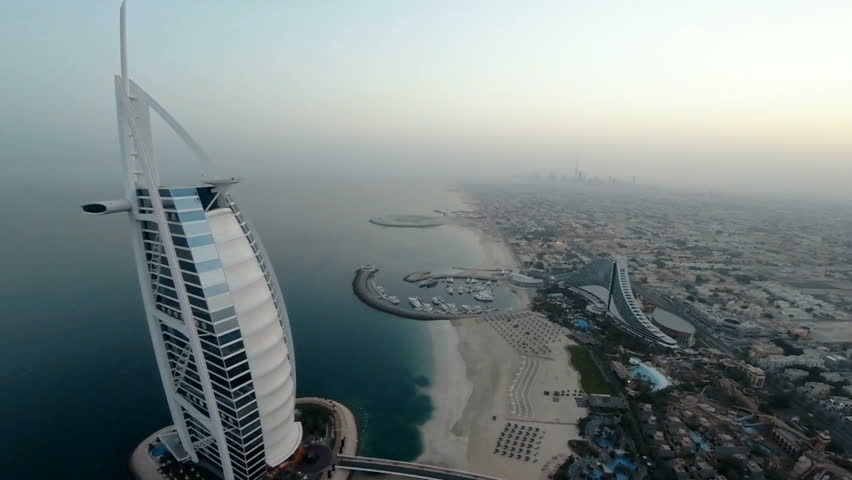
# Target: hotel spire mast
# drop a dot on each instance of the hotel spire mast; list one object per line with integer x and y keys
{"x": 215, "y": 312}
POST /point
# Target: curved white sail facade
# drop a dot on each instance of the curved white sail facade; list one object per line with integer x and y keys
{"x": 263, "y": 335}
{"x": 215, "y": 313}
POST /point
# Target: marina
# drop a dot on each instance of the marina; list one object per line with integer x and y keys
{"x": 477, "y": 285}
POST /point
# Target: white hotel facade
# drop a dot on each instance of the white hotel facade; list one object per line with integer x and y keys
{"x": 214, "y": 309}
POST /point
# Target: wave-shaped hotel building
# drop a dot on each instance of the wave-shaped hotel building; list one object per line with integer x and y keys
{"x": 215, "y": 313}
{"x": 609, "y": 280}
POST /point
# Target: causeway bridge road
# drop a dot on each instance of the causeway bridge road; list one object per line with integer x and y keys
{"x": 407, "y": 469}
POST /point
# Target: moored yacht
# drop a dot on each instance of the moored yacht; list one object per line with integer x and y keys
{"x": 484, "y": 296}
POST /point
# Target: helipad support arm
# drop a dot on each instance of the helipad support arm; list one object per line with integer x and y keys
{"x": 106, "y": 207}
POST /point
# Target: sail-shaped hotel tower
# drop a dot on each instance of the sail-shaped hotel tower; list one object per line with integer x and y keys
{"x": 215, "y": 312}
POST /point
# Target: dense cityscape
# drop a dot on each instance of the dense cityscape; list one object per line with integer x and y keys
{"x": 760, "y": 383}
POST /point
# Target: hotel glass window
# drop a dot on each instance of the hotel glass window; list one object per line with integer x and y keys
{"x": 192, "y": 216}
{"x": 196, "y": 228}
{"x": 188, "y": 203}
{"x": 200, "y": 240}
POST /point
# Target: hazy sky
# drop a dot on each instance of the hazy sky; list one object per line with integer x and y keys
{"x": 726, "y": 93}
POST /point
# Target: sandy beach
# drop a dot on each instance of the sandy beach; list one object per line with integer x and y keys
{"x": 445, "y": 442}
{"x": 487, "y": 382}
{"x": 446, "y": 434}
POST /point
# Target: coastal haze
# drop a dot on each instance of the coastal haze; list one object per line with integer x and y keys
{"x": 713, "y": 95}
{"x": 706, "y": 145}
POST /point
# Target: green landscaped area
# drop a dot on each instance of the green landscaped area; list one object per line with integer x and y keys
{"x": 591, "y": 378}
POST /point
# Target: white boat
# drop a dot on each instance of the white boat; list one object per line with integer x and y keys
{"x": 436, "y": 300}
{"x": 444, "y": 307}
{"x": 484, "y": 296}
{"x": 415, "y": 302}
{"x": 393, "y": 299}
{"x": 450, "y": 290}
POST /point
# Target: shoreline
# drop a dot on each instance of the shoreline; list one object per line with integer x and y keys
{"x": 444, "y": 443}
{"x": 459, "y": 360}
{"x": 474, "y": 391}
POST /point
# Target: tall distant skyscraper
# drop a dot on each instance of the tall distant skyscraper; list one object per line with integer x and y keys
{"x": 214, "y": 309}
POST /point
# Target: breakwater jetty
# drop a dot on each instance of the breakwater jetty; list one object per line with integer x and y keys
{"x": 363, "y": 289}
{"x": 409, "y": 221}
{"x": 479, "y": 274}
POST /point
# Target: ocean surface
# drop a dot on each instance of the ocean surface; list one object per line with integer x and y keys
{"x": 80, "y": 388}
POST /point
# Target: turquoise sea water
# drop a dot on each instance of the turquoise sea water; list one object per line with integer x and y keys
{"x": 80, "y": 388}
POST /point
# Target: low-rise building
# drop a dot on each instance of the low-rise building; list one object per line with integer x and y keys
{"x": 754, "y": 471}
{"x": 704, "y": 470}
{"x": 832, "y": 378}
{"x": 815, "y": 390}
{"x": 650, "y": 424}
{"x": 673, "y": 424}
{"x": 683, "y": 445}
{"x": 776, "y": 362}
{"x": 680, "y": 469}
{"x": 658, "y": 438}
{"x": 787, "y": 440}
{"x": 838, "y": 404}
{"x": 664, "y": 452}
{"x": 756, "y": 376}
{"x": 836, "y": 362}
{"x": 795, "y": 374}
{"x": 764, "y": 349}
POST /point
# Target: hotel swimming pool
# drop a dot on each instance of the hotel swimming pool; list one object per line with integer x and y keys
{"x": 583, "y": 324}
{"x": 643, "y": 371}
{"x": 621, "y": 466}
{"x": 159, "y": 451}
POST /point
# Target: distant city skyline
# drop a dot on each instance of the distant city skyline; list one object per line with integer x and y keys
{"x": 741, "y": 95}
